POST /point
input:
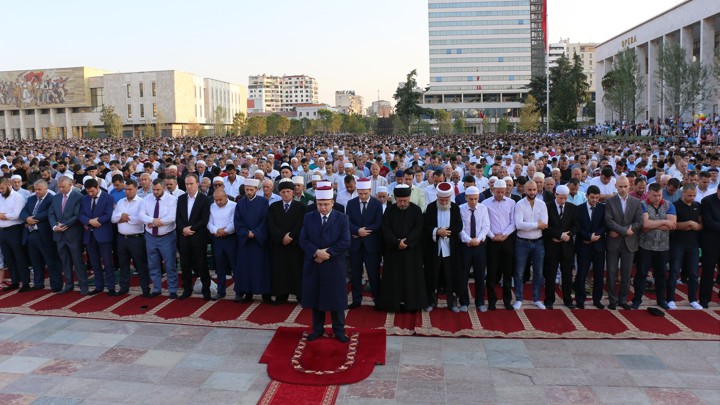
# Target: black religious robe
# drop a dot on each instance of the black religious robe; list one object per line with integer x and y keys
{"x": 286, "y": 261}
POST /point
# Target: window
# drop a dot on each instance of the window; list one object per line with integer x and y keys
{"x": 154, "y": 110}
{"x": 142, "y": 110}
{"x": 129, "y": 111}
{"x": 142, "y": 90}
{"x": 129, "y": 90}
{"x": 96, "y": 99}
{"x": 29, "y": 112}
{"x": 154, "y": 89}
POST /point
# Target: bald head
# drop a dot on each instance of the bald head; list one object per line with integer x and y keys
{"x": 220, "y": 198}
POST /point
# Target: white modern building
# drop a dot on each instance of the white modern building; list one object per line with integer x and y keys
{"x": 347, "y": 102}
{"x": 310, "y": 111}
{"x": 482, "y": 57}
{"x": 694, "y": 24}
{"x": 67, "y": 102}
{"x": 267, "y": 93}
{"x": 298, "y": 89}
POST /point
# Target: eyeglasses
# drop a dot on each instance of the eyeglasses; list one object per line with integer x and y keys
{"x": 218, "y": 185}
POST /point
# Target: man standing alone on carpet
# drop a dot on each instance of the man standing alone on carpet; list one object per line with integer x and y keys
{"x": 325, "y": 238}
{"x": 285, "y": 218}
{"x": 252, "y": 272}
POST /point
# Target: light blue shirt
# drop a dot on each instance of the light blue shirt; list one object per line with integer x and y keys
{"x": 578, "y": 199}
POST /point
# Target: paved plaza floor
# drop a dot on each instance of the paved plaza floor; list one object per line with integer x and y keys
{"x": 51, "y": 360}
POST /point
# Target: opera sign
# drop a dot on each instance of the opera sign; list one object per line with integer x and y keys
{"x": 628, "y": 41}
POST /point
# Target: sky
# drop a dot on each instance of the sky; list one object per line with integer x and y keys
{"x": 368, "y": 46}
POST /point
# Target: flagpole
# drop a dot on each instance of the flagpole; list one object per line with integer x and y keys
{"x": 547, "y": 78}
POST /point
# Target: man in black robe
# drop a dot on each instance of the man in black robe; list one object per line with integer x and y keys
{"x": 402, "y": 287}
{"x": 285, "y": 219}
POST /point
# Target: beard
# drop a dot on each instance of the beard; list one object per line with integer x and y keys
{"x": 403, "y": 208}
{"x": 444, "y": 207}
{"x": 530, "y": 197}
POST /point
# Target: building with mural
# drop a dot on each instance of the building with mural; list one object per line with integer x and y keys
{"x": 67, "y": 102}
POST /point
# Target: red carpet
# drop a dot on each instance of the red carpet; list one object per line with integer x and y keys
{"x": 683, "y": 323}
{"x": 325, "y": 361}
{"x": 278, "y": 393}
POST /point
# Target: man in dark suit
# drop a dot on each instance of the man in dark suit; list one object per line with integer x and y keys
{"x": 624, "y": 221}
{"x": 68, "y": 234}
{"x": 365, "y": 215}
{"x": 38, "y": 237}
{"x": 324, "y": 238}
{"x": 562, "y": 226}
{"x": 193, "y": 214}
{"x": 590, "y": 248}
{"x": 96, "y": 215}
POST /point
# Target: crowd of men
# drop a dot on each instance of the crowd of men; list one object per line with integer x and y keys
{"x": 424, "y": 215}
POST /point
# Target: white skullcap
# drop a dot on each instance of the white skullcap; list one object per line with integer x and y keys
{"x": 298, "y": 180}
{"x": 218, "y": 178}
{"x": 258, "y": 171}
{"x": 562, "y": 190}
{"x": 348, "y": 165}
{"x": 18, "y": 177}
{"x": 508, "y": 180}
{"x": 316, "y": 177}
{"x": 382, "y": 189}
{"x": 229, "y": 162}
{"x": 493, "y": 178}
{"x": 538, "y": 175}
{"x": 499, "y": 184}
{"x": 472, "y": 190}
{"x": 251, "y": 182}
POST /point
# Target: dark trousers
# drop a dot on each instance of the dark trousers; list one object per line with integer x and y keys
{"x": 372, "y": 266}
{"x": 550, "y": 271}
{"x": 500, "y": 264}
{"x": 710, "y": 259}
{"x": 133, "y": 247}
{"x": 14, "y": 255}
{"x": 71, "y": 254}
{"x": 475, "y": 257}
{"x": 658, "y": 261}
{"x": 224, "y": 250}
{"x": 685, "y": 259}
{"x": 100, "y": 255}
{"x": 441, "y": 271}
{"x": 338, "y": 321}
{"x": 586, "y": 256}
{"x": 193, "y": 257}
{"x": 42, "y": 255}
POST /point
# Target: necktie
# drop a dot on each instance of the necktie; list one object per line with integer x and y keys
{"x": 94, "y": 202}
{"x": 457, "y": 190}
{"x": 561, "y": 211}
{"x": 324, "y": 221}
{"x": 592, "y": 211}
{"x": 473, "y": 233}
{"x": 64, "y": 201}
{"x": 156, "y": 214}
{"x": 364, "y": 206}
{"x": 287, "y": 207}
{"x": 37, "y": 207}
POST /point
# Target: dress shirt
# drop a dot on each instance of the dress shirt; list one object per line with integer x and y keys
{"x": 702, "y": 194}
{"x": 168, "y": 209}
{"x": 502, "y": 216}
{"x": 142, "y": 193}
{"x": 482, "y": 222}
{"x": 232, "y": 188}
{"x": 591, "y": 212}
{"x": 11, "y": 206}
{"x": 134, "y": 209}
{"x": 375, "y": 182}
{"x": 443, "y": 221}
{"x": 578, "y": 199}
{"x": 273, "y": 197}
{"x": 343, "y": 197}
{"x": 430, "y": 194}
{"x": 191, "y": 203}
{"x": 177, "y": 193}
{"x": 604, "y": 188}
{"x": 24, "y": 193}
{"x": 623, "y": 203}
{"x": 222, "y": 217}
{"x": 527, "y": 217}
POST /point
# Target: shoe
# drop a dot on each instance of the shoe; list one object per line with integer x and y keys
{"x": 695, "y": 305}
{"x": 112, "y": 293}
{"x": 483, "y": 308}
{"x": 66, "y": 290}
{"x": 146, "y": 294}
{"x": 549, "y": 306}
{"x": 705, "y": 305}
{"x": 84, "y": 292}
{"x": 37, "y": 287}
{"x": 455, "y": 309}
{"x": 570, "y": 305}
{"x": 154, "y": 294}
{"x": 56, "y": 289}
{"x": 246, "y": 298}
{"x": 173, "y": 295}
{"x": 599, "y": 305}
{"x": 123, "y": 292}
{"x": 539, "y": 305}
{"x": 509, "y": 307}
{"x": 463, "y": 308}
{"x": 11, "y": 287}
{"x": 626, "y": 306}
{"x": 354, "y": 305}
{"x": 491, "y": 307}
{"x": 671, "y": 305}
{"x": 313, "y": 336}
{"x": 24, "y": 288}
{"x": 429, "y": 308}
{"x": 612, "y": 307}
{"x": 220, "y": 295}
{"x": 207, "y": 297}
{"x": 94, "y": 292}
{"x": 342, "y": 338}
{"x": 664, "y": 306}
{"x": 517, "y": 305}
{"x": 186, "y": 294}
{"x": 580, "y": 305}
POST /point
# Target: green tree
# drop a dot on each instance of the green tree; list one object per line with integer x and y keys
{"x": 353, "y": 124}
{"x": 325, "y": 117}
{"x": 399, "y": 127}
{"x": 503, "y": 125}
{"x": 371, "y": 123}
{"x": 112, "y": 123}
{"x": 459, "y": 126}
{"x": 149, "y": 131}
{"x": 568, "y": 91}
{"x": 272, "y": 121}
{"x": 219, "y": 127}
{"x": 239, "y": 122}
{"x": 90, "y": 131}
{"x": 624, "y": 86}
{"x": 335, "y": 122}
{"x": 682, "y": 83}
{"x": 257, "y": 126}
{"x": 283, "y": 125}
{"x": 296, "y": 127}
{"x": 442, "y": 117}
{"x": 407, "y": 100}
{"x": 52, "y": 132}
{"x": 538, "y": 89}
{"x": 529, "y": 115}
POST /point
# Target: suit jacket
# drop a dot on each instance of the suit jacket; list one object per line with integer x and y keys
{"x": 618, "y": 222}
{"x": 371, "y": 219}
{"x": 557, "y": 226}
{"x": 430, "y": 222}
{"x": 42, "y": 214}
{"x": 710, "y": 212}
{"x": 70, "y": 217}
{"x": 198, "y": 220}
{"x": 103, "y": 212}
{"x": 588, "y": 227}
{"x": 460, "y": 199}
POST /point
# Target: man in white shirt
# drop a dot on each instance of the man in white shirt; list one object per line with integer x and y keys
{"x": 376, "y": 180}
{"x": 232, "y": 182}
{"x": 160, "y": 241}
{"x": 131, "y": 239}
{"x": 172, "y": 186}
{"x": 11, "y": 205}
{"x": 223, "y": 238}
{"x": 348, "y": 192}
{"x": 16, "y": 182}
{"x": 268, "y": 186}
{"x": 531, "y": 218}
{"x": 605, "y": 182}
{"x": 476, "y": 225}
